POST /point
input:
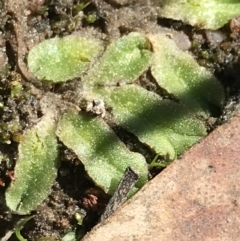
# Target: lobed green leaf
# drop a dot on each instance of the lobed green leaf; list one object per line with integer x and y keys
{"x": 167, "y": 127}
{"x": 104, "y": 156}
{"x": 60, "y": 59}
{"x": 125, "y": 59}
{"x": 179, "y": 74}
{"x": 36, "y": 167}
{"x": 208, "y": 14}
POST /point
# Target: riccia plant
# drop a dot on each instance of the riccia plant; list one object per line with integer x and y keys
{"x": 168, "y": 127}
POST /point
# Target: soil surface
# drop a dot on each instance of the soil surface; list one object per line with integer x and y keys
{"x": 23, "y": 24}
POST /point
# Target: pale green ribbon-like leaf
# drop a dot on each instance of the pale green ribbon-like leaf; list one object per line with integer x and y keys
{"x": 207, "y": 14}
